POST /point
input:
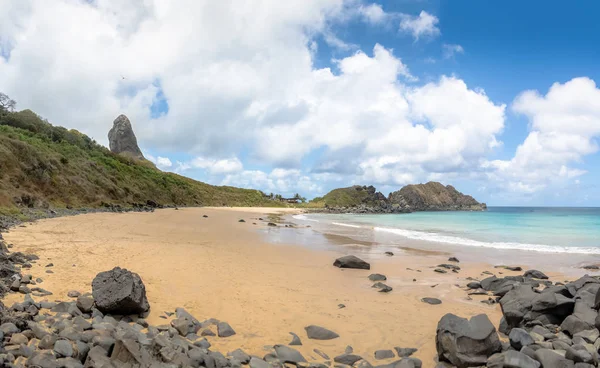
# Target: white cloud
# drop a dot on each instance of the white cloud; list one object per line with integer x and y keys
{"x": 450, "y": 50}
{"x": 565, "y": 124}
{"x": 212, "y": 166}
{"x": 163, "y": 162}
{"x": 424, "y": 24}
{"x": 373, "y": 13}
{"x": 279, "y": 181}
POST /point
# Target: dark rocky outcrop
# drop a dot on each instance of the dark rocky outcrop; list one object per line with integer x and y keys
{"x": 351, "y": 262}
{"x": 466, "y": 343}
{"x": 122, "y": 140}
{"x": 434, "y": 196}
{"x": 431, "y": 196}
{"x": 119, "y": 291}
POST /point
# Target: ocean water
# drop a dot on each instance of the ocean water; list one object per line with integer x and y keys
{"x": 543, "y": 229}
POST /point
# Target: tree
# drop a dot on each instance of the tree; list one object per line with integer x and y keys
{"x": 6, "y": 104}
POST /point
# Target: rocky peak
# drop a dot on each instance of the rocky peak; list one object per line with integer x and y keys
{"x": 122, "y": 140}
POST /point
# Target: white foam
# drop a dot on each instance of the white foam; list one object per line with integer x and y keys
{"x": 346, "y": 225}
{"x": 304, "y": 218}
{"x": 440, "y": 238}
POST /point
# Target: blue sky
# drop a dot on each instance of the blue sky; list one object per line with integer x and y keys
{"x": 326, "y": 93}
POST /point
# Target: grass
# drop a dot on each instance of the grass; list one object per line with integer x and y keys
{"x": 46, "y": 166}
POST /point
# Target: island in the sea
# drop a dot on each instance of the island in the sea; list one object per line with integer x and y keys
{"x": 432, "y": 196}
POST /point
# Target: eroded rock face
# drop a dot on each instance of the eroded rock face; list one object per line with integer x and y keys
{"x": 122, "y": 140}
{"x": 466, "y": 343}
{"x": 120, "y": 291}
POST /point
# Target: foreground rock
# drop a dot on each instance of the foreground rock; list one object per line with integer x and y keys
{"x": 466, "y": 343}
{"x": 320, "y": 333}
{"x": 119, "y": 291}
{"x": 351, "y": 262}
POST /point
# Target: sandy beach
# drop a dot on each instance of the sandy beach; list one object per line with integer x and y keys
{"x": 217, "y": 267}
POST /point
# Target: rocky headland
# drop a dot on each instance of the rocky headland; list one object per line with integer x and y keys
{"x": 432, "y": 196}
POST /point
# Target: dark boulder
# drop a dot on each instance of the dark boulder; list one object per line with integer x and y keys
{"x": 535, "y": 274}
{"x": 320, "y": 333}
{"x": 351, "y": 262}
{"x": 466, "y": 343}
{"x": 288, "y": 355}
{"x": 519, "y": 338}
{"x": 120, "y": 291}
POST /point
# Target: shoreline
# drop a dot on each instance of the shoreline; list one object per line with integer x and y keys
{"x": 217, "y": 267}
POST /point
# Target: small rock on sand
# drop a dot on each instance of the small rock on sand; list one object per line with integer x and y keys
{"x": 224, "y": 329}
{"x": 295, "y": 339}
{"x": 351, "y": 262}
{"x": 384, "y": 354}
{"x": 377, "y": 277}
{"x": 389, "y": 253}
{"x": 320, "y": 333}
{"x": 383, "y": 288}
{"x": 432, "y": 301}
{"x": 453, "y": 259}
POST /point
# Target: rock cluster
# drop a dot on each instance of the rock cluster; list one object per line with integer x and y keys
{"x": 548, "y": 325}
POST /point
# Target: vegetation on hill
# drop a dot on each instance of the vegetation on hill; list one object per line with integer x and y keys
{"x": 348, "y": 197}
{"x": 42, "y": 165}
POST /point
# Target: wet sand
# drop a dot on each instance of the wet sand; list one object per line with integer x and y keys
{"x": 217, "y": 267}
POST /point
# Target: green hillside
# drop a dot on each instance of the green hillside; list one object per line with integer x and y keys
{"x": 43, "y": 166}
{"x": 348, "y": 197}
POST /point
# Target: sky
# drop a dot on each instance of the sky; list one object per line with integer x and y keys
{"x": 498, "y": 99}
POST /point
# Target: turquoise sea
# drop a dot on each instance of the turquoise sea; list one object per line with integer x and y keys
{"x": 544, "y": 229}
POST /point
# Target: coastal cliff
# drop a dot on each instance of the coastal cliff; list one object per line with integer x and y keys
{"x": 432, "y": 196}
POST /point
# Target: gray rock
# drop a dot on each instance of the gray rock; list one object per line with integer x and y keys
{"x": 466, "y": 343}
{"x": 42, "y": 360}
{"x": 121, "y": 138}
{"x": 119, "y": 291}
{"x": 348, "y": 359}
{"x": 405, "y": 352}
{"x": 432, "y": 301}
{"x": 377, "y": 277}
{"x": 384, "y": 354}
{"x": 320, "y": 333}
{"x": 240, "y": 355}
{"x": 519, "y": 338}
{"x": 258, "y": 363}
{"x": 295, "y": 340}
{"x": 511, "y": 359}
{"x": 207, "y": 332}
{"x": 224, "y": 329}
{"x": 9, "y": 328}
{"x": 73, "y": 294}
{"x": 535, "y": 274}
{"x": 351, "y": 262}
{"x": 288, "y": 355}
{"x": 551, "y": 359}
{"x": 321, "y": 354}
{"x": 383, "y": 288}
{"x": 85, "y": 303}
{"x": 474, "y": 285}
{"x": 580, "y": 355}
{"x": 63, "y": 348}
{"x": 588, "y": 335}
{"x": 573, "y": 324}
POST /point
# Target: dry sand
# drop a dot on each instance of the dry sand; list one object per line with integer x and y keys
{"x": 217, "y": 267}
